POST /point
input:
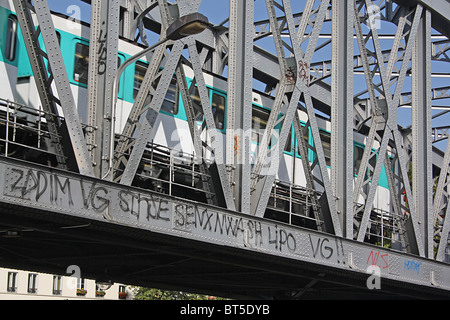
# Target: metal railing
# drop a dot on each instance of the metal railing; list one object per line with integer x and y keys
{"x": 386, "y": 229}
{"x": 293, "y": 204}
{"x": 24, "y": 133}
{"x": 170, "y": 171}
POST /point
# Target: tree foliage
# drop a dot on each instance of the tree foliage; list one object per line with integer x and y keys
{"x": 141, "y": 293}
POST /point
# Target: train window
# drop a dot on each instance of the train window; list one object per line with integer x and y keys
{"x": 372, "y": 163}
{"x": 139, "y": 74}
{"x": 11, "y": 38}
{"x": 170, "y": 103}
{"x": 217, "y": 106}
{"x": 288, "y": 145}
{"x": 81, "y": 68}
{"x": 306, "y": 137}
{"x": 326, "y": 144}
{"x": 218, "y": 109}
{"x": 58, "y": 36}
{"x": 259, "y": 123}
{"x": 198, "y": 111}
{"x": 80, "y": 72}
{"x": 305, "y": 133}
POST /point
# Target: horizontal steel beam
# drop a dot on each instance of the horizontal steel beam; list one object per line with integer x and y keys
{"x": 439, "y": 12}
{"x": 71, "y": 195}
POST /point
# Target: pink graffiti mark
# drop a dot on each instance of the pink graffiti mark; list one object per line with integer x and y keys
{"x": 375, "y": 256}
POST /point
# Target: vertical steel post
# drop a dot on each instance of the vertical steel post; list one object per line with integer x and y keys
{"x": 239, "y": 107}
{"x": 342, "y": 112}
{"x": 421, "y": 132}
{"x": 103, "y": 60}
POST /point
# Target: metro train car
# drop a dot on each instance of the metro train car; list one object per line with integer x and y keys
{"x": 172, "y": 121}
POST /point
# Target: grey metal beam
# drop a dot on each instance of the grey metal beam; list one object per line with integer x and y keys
{"x": 439, "y": 10}
{"x": 73, "y": 138}
{"x": 421, "y": 129}
{"x": 207, "y": 183}
{"x": 266, "y": 166}
{"x": 342, "y": 112}
{"x": 213, "y": 133}
{"x": 391, "y": 131}
{"x": 56, "y": 62}
{"x": 261, "y": 195}
{"x": 48, "y": 100}
{"x": 309, "y": 171}
{"x": 148, "y": 86}
{"x": 103, "y": 57}
{"x": 186, "y": 220}
{"x": 148, "y": 120}
{"x": 239, "y": 106}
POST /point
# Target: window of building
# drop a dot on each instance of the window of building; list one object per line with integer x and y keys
{"x": 80, "y": 284}
{"x": 81, "y": 69}
{"x": 122, "y": 292}
{"x": 57, "y": 285}
{"x": 32, "y": 282}
{"x": 12, "y": 282}
{"x": 11, "y": 38}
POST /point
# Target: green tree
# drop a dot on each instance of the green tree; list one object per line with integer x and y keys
{"x": 141, "y": 293}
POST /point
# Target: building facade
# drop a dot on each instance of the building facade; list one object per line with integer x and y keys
{"x": 28, "y": 285}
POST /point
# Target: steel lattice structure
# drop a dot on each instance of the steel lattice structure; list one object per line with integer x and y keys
{"x": 353, "y": 63}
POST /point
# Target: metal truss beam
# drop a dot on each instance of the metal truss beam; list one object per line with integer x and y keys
{"x": 342, "y": 112}
{"x": 151, "y": 113}
{"x": 163, "y": 216}
{"x": 73, "y": 144}
{"x": 421, "y": 128}
{"x": 103, "y": 57}
{"x": 439, "y": 12}
{"x": 239, "y": 107}
{"x": 390, "y": 131}
{"x": 301, "y": 86}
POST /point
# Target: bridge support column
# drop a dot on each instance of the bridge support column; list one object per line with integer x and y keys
{"x": 342, "y": 112}
{"x": 421, "y": 132}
